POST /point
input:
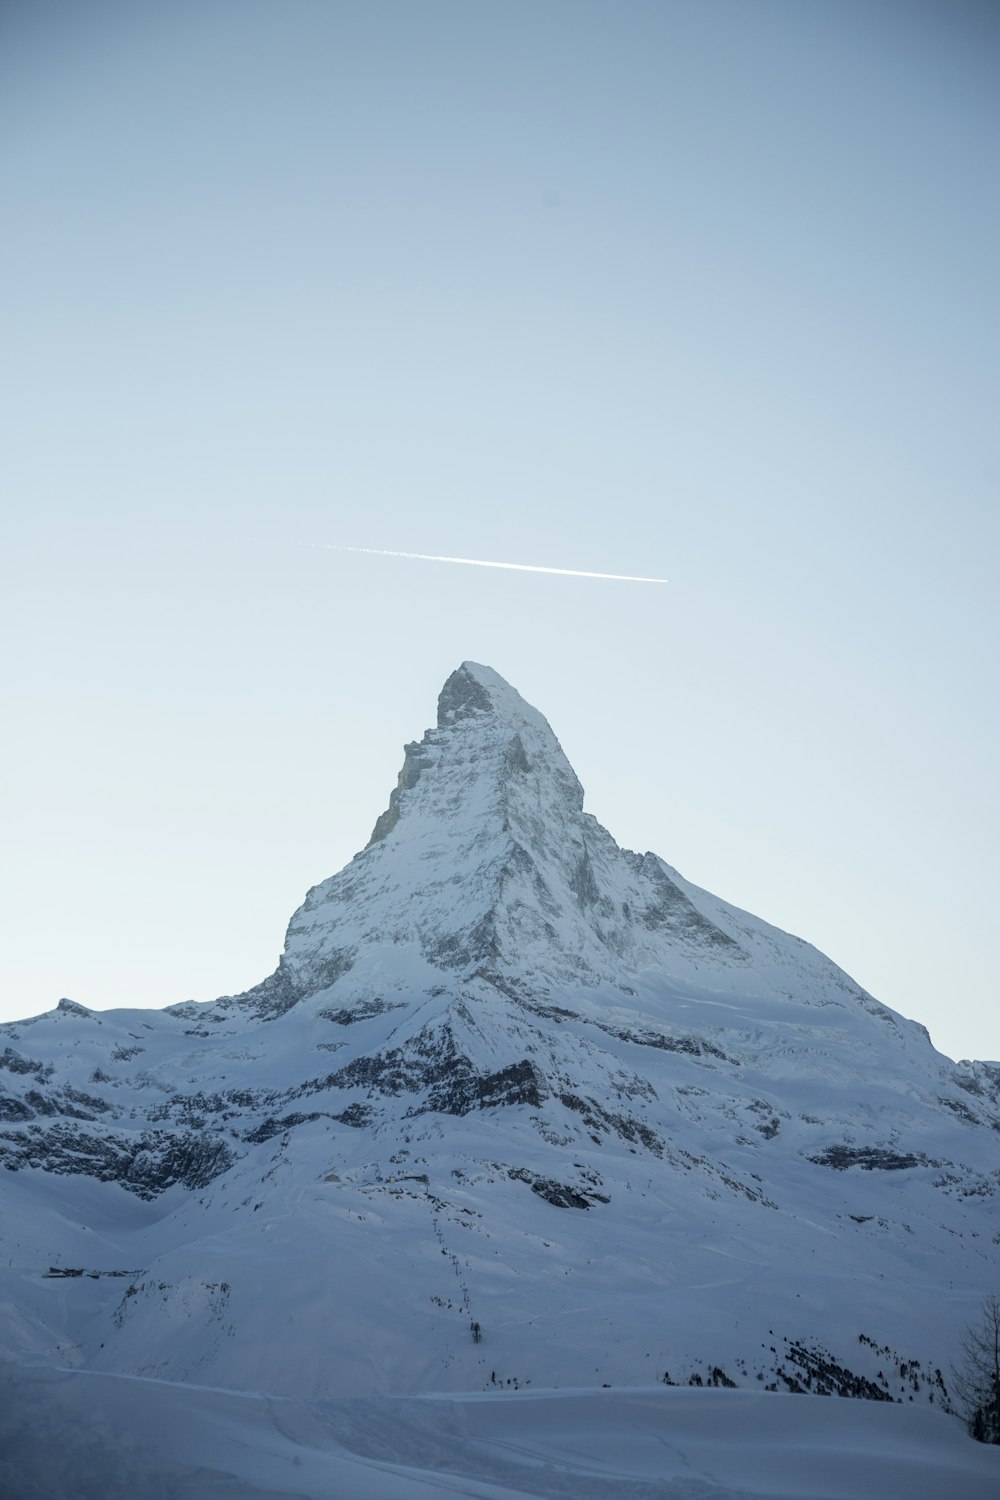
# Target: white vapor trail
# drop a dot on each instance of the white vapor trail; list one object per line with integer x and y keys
{"x": 477, "y": 562}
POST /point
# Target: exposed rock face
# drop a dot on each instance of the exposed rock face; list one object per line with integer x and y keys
{"x": 495, "y": 993}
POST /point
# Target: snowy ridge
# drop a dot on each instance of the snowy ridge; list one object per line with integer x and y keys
{"x": 517, "y": 1108}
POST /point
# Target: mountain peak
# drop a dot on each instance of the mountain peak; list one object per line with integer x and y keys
{"x": 484, "y": 862}
{"x": 473, "y": 690}
{"x": 484, "y": 869}
{"x": 486, "y": 735}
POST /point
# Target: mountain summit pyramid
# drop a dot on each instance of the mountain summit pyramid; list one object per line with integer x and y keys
{"x": 486, "y": 863}
{"x": 516, "y": 1106}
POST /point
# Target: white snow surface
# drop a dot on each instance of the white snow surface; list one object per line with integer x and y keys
{"x": 522, "y": 1114}
{"x": 75, "y": 1435}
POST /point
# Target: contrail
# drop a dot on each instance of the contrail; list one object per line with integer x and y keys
{"x": 477, "y": 562}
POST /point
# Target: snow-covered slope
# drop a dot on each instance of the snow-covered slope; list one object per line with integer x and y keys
{"x": 517, "y": 1107}
{"x": 83, "y": 1435}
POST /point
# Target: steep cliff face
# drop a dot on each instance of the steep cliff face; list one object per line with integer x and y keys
{"x": 509, "y": 1077}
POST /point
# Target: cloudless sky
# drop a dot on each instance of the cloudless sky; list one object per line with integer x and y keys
{"x": 703, "y": 289}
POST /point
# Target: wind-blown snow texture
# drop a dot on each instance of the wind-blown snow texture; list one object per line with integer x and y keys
{"x": 518, "y": 1107}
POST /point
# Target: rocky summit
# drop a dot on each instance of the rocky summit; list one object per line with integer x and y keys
{"x": 516, "y": 1107}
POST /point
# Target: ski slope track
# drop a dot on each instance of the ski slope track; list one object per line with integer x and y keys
{"x": 519, "y": 1113}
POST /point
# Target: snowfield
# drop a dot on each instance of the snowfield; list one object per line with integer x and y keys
{"x": 525, "y": 1144}
{"x": 73, "y": 1434}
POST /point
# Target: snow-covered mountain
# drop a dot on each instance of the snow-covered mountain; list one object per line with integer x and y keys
{"x": 516, "y": 1107}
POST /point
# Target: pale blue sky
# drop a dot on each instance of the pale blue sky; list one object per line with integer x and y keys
{"x": 702, "y": 290}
